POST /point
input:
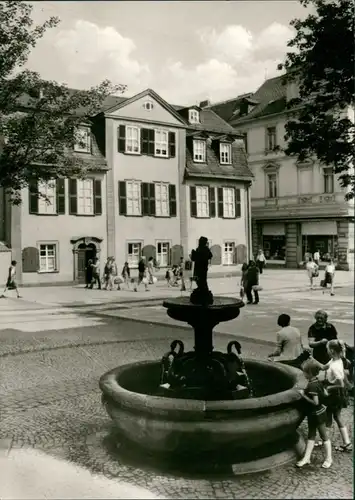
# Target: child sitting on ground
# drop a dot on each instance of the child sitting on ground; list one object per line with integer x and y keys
{"x": 314, "y": 395}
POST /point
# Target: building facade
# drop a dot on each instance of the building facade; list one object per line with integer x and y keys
{"x": 159, "y": 177}
{"x": 297, "y": 208}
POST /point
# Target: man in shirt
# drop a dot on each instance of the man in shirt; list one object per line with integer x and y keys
{"x": 289, "y": 348}
{"x": 142, "y": 274}
{"x": 96, "y": 274}
{"x": 316, "y": 257}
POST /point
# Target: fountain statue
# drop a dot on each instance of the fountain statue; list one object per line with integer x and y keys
{"x": 208, "y": 403}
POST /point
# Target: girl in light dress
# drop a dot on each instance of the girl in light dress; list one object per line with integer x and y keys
{"x": 329, "y": 277}
{"x": 312, "y": 270}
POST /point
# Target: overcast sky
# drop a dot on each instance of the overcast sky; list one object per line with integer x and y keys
{"x": 186, "y": 51}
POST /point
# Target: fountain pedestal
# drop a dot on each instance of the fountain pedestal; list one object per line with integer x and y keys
{"x": 204, "y": 373}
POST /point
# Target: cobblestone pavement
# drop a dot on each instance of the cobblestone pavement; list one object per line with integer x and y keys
{"x": 50, "y": 401}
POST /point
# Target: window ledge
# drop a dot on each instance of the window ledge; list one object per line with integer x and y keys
{"x": 201, "y": 161}
{"x": 85, "y": 215}
{"x": 48, "y": 272}
{"x": 46, "y": 215}
{"x": 162, "y": 156}
{"x": 134, "y": 153}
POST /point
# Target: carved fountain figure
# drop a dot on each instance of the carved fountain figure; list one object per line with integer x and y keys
{"x": 208, "y": 403}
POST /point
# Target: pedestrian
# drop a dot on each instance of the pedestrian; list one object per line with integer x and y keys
{"x": 243, "y": 280}
{"x": 126, "y": 276}
{"x": 314, "y": 395}
{"x": 11, "y": 280}
{"x": 312, "y": 271}
{"x": 181, "y": 275}
{"x": 252, "y": 277}
{"x": 289, "y": 348}
{"x": 108, "y": 274}
{"x": 329, "y": 277}
{"x": 319, "y": 334}
{"x": 150, "y": 270}
{"x": 88, "y": 273}
{"x": 260, "y": 260}
{"x": 316, "y": 257}
{"x": 337, "y": 394}
{"x": 142, "y": 275}
{"x": 95, "y": 274}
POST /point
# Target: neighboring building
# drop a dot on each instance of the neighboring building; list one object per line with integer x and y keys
{"x": 159, "y": 177}
{"x": 297, "y": 208}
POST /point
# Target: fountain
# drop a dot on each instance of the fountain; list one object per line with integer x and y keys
{"x": 204, "y": 403}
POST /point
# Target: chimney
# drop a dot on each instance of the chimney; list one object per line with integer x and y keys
{"x": 205, "y": 104}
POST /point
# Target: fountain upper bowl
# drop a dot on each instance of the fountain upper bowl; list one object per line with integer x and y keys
{"x": 222, "y": 309}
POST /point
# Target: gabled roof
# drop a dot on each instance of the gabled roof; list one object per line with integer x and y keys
{"x": 271, "y": 98}
{"x": 153, "y": 95}
{"x": 238, "y": 170}
{"x": 225, "y": 109}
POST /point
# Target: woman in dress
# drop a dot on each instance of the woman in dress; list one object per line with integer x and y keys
{"x": 329, "y": 276}
{"x": 312, "y": 271}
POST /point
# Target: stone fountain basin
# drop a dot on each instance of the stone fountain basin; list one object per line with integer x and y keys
{"x": 180, "y": 426}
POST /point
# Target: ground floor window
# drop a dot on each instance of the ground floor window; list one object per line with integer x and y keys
{"x": 228, "y": 253}
{"x": 134, "y": 253}
{"x": 327, "y": 246}
{"x": 274, "y": 247}
{"x": 47, "y": 257}
{"x": 163, "y": 253}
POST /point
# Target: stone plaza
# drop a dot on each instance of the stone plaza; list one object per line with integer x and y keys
{"x": 57, "y": 342}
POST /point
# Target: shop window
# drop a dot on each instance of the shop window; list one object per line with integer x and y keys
{"x": 274, "y": 247}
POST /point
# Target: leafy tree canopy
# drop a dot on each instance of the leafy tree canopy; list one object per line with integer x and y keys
{"x": 38, "y": 119}
{"x": 321, "y": 61}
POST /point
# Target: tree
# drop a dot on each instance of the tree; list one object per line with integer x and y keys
{"x": 38, "y": 119}
{"x": 321, "y": 61}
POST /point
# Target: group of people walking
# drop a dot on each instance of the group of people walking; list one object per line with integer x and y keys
{"x": 112, "y": 278}
{"x": 329, "y": 373}
{"x": 312, "y": 268}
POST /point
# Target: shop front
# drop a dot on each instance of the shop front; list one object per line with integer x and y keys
{"x": 321, "y": 236}
{"x": 274, "y": 241}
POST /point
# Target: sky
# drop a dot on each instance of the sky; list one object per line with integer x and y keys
{"x": 186, "y": 51}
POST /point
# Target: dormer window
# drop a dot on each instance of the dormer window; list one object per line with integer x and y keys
{"x": 82, "y": 140}
{"x": 194, "y": 116}
{"x": 148, "y": 105}
{"x": 199, "y": 151}
{"x": 225, "y": 153}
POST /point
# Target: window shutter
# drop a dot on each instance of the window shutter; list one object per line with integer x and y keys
{"x": 212, "y": 198}
{"x": 193, "y": 201}
{"x": 30, "y": 260}
{"x": 122, "y": 198}
{"x": 151, "y": 199}
{"x": 172, "y": 200}
{"x": 145, "y": 198}
{"x": 151, "y": 142}
{"x": 121, "y": 139}
{"x": 220, "y": 201}
{"x": 216, "y": 148}
{"x": 60, "y": 192}
{"x": 145, "y": 141}
{"x": 172, "y": 144}
{"x": 73, "y": 199}
{"x": 97, "y": 197}
{"x": 33, "y": 197}
{"x": 238, "y": 210}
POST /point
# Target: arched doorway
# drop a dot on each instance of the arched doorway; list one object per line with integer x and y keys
{"x": 84, "y": 249}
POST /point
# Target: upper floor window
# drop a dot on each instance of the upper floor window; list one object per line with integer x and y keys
{"x": 161, "y": 143}
{"x": 85, "y": 196}
{"x": 199, "y": 151}
{"x": 194, "y": 116}
{"x": 82, "y": 140}
{"x": 48, "y": 204}
{"x": 228, "y": 203}
{"x": 132, "y": 139}
{"x": 271, "y": 138}
{"x": 148, "y": 105}
{"x": 202, "y": 203}
{"x": 328, "y": 176}
{"x": 161, "y": 200}
{"x": 225, "y": 152}
{"x": 272, "y": 185}
{"x": 133, "y": 194}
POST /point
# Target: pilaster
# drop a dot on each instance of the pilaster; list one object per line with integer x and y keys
{"x": 110, "y": 191}
{"x": 293, "y": 245}
{"x": 16, "y": 239}
{"x": 182, "y": 198}
{"x": 345, "y": 232}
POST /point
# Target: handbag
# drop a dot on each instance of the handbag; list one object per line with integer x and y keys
{"x": 257, "y": 288}
{"x": 315, "y": 274}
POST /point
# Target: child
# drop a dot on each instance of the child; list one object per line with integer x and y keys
{"x": 126, "y": 275}
{"x": 314, "y": 394}
{"x": 11, "y": 280}
{"x": 337, "y": 394}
